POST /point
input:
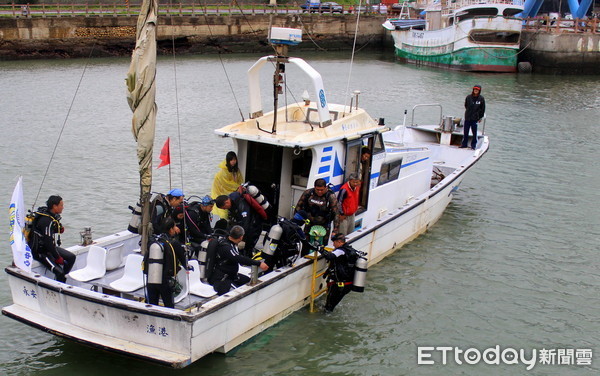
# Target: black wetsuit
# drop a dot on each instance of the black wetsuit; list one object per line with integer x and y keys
{"x": 340, "y": 274}
{"x": 227, "y": 265}
{"x": 242, "y": 214}
{"x": 173, "y": 258}
{"x": 44, "y": 247}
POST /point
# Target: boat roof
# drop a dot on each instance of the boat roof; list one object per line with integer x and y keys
{"x": 298, "y": 126}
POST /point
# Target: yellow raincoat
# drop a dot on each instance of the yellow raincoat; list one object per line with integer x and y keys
{"x": 224, "y": 183}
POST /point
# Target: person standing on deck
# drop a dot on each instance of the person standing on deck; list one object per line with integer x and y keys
{"x": 321, "y": 206}
{"x": 348, "y": 203}
{"x": 474, "y": 111}
{"x": 172, "y": 260}
{"x": 228, "y": 179}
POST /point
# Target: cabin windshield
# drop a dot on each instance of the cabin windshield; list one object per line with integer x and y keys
{"x": 510, "y": 12}
{"x": 312, "y": 116}
{"x": 477, "y": 12}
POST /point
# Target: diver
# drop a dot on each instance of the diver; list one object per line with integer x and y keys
{"x": 163, "y": 260}
{"x": 228, "y": 260}
{"x": 341, "y": 270}
{"x": 163, "y": 206}
{"x": 45, "y": 239}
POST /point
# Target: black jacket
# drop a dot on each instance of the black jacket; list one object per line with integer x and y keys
{"x": 45, "y": 227}
{"x": 241, "y": 213}
{"x": 341, "y": 263}
{"x": 173, "y": 257}
{"x": 474, "y": 107}
{"x": 229, "y": 258}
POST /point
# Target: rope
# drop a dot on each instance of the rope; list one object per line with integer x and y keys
{"x": 347, "y": 95}
{"x": 63, "y": 125}
{"x": 180, "y": 154}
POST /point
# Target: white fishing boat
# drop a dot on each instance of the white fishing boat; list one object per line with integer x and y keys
{"x": 411, "y": 177}
{"x": 466, "y": 35}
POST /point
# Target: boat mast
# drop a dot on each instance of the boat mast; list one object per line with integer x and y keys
{"x": 141, "y": 93}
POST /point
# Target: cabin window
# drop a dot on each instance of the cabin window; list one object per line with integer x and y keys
{"x": 389, "y": 172}
{"x": 301, "y": 167}
{"x": 378, "y": 146}
{"x": 494, "y": 37}
{"x": 352, "y": 158}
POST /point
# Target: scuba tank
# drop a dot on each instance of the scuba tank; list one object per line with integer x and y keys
{"x": 202, "y": 255}
{"x": 360, "y": 274}
{"x": 28, "y": 228}
{"x": 155, "y": 263}
{"x": 273, "y": 240}
{"x": 136, "y": 218}
{"x": 257, "y": 195}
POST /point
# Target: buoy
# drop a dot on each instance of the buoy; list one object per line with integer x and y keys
{"x": 524, "y": 67}
{"x": 360, "y": 275}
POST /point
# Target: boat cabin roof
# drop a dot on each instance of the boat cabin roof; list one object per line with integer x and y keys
{"x": 298, "y": 125}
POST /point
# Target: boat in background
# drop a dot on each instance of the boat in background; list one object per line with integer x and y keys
{"x": 466, "y": 35}
{"x": 407, "y": 183}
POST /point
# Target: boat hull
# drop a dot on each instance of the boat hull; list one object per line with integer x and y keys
{"x": 500, "y": 60}
{"x": 458, "y": 46}
{"x": 177, "y": 338}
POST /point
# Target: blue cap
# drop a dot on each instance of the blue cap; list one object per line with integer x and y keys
{"x": 207, "y": 200}
{"x": 176, "y": 192}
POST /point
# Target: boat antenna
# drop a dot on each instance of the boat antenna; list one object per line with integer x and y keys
{"x": 347, "y": 95}
{"x": 63, "y": 125}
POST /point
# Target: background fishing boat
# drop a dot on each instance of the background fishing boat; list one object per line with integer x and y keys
{"x": 464, "y": 35}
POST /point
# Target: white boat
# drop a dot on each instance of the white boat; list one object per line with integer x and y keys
{"x": 467, "y": 35}
{"x": 411, "y": 177}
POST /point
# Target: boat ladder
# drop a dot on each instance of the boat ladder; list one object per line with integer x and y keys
{"x": 314, "y": 288}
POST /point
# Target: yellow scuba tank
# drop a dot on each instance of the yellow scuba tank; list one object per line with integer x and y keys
{"x": 28, "y": 228}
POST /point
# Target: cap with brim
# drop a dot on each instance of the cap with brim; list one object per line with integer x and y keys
{"x": 176, "y": 192}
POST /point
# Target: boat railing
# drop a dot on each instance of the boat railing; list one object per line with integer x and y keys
{"x": 464, "y": 3}
{"x": 562, "y": 25}
{"x": 131, "y": 9}
{"x": 412, "y": 116}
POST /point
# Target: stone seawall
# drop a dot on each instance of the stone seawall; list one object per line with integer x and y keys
{"x": 561, "y": 53}
{"x": 22, "y": 38}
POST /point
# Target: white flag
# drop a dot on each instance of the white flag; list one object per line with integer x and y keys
{"x": 21, "y": 251}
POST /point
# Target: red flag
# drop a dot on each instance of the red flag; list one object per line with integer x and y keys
{"x": 165, "y": 154}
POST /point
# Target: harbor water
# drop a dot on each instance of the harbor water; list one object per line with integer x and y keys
{"x": 511, "y": 265}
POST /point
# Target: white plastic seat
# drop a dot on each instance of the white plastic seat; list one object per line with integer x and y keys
{"x": 197, "y": 287}
{"x": 95, "y": 265}
{"x": 114, "y": 256}
{"x": 245, "y": 270}
{"x": 182, "y": 278}
{"x": 133, "y": 276}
